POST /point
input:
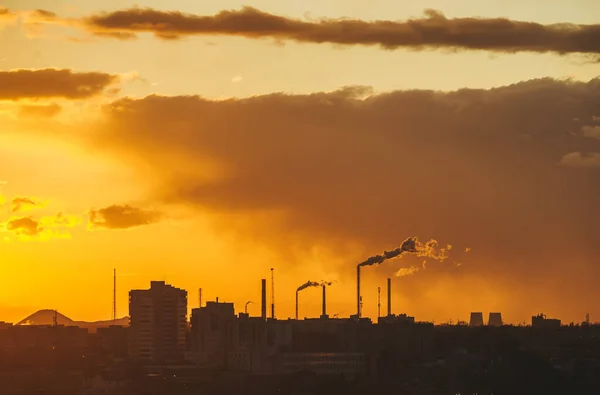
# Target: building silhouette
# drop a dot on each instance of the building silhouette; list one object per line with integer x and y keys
{"x": 476, "y": 319}
{"x": 495, "y": 319}
{"x": 158, "y": 322}
{"x": 540, "y": 321}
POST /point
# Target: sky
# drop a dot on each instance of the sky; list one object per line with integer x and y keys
{"x": 203, "y": 143}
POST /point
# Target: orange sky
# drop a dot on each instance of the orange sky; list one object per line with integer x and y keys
{"x": 215, "y": 146}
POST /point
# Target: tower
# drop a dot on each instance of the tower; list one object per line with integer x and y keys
{"x": 495, "y": 319}
{"x": 263, "y": 299}
{"x": 114, "y": 312}
{"x": 272, "y": 294}
{"x": 389, "y": 297}
{"x": 476, "y": 319}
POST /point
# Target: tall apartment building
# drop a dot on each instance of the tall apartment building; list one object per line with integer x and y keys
{"x": 158, "y": 323}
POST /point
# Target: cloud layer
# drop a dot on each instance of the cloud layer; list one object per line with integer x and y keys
{"x": 122, "y": 217}
{"x": 52, "y": 83}
{"x": 432, "y": 31}
{"x": 23, "y": 203}
{"x": 473, "y": 168}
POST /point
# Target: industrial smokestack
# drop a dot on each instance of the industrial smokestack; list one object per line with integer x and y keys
{"x": 263, "y": 299}
{"x": 307, "y": 284}
{"x": 358, "y": 291}
{"x": 389, "y": 290}
{"x": 272, "y": 294}
{"x": 412, "y": 246}
{"x": 324, "y": 313}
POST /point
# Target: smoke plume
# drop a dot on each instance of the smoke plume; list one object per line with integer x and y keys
{"x": 377, "y": 259}
{"x": 308, "y": 284}
{"x": 431, "y": 31}
{"x": 412, "y": 245}
{"x": 407, "y": 271}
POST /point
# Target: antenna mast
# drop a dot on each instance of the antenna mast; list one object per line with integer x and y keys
{"x": 272, "y": 294}
{"x": 114, "y": 296}
{"x": 199, "y": 297}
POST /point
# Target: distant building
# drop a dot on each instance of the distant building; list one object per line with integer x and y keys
{"x": 495, "y": 319}
{"x": 476, "y": 319}
{"x": 212, "y": 336}
{"x": 19, "y": 343}
{"x": 540, "y": 321}
{"x": 158, "y": 323}
{"x": 114, "y": 341}
{"x": 220, "y": 339}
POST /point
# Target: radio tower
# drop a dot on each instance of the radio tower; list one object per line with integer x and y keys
{"x": 114, "y": 312}
{"x": 272, "y": 295}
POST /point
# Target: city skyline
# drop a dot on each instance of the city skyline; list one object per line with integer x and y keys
{"x": 208, "y": 158}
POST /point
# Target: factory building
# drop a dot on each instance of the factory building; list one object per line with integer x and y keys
{"x": 158, "y": 323}
{"x": 540, "y": 321}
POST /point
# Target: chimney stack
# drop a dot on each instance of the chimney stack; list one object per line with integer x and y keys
{"x": 324, "y": 314}
{"x": 389, "y": 304}
{"x": 263, "y": 306}
{"x": 358, "y": 300}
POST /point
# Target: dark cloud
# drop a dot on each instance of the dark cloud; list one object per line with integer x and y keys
{"x": 43, "y": 14}
{"x": 431, "y": 31}
{"x": 25, "y": 226}
{"x": 40, "y": 111}
{"x": 21, "y": 203}
{"x": 52, "y": 83}
{"x": 473, "y": 168}
{"x": 122, "y": 217}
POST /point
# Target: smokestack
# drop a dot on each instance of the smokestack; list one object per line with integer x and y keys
{"x": 324, "y": 314}
{"x": 115, "y": 297}
{"x": 272, "y": 294}
{"x": 263, "y": 307}
{"x": 389, "y": 304}
{"x": 358, "y": 291}
{"x": 199, "y": 297}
